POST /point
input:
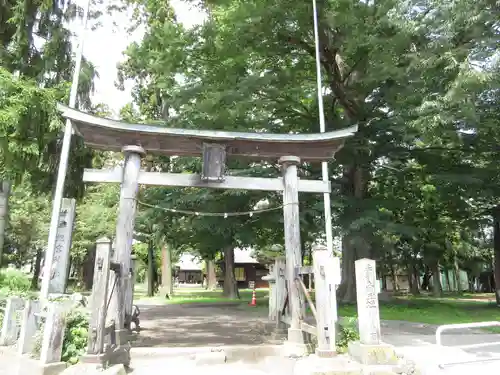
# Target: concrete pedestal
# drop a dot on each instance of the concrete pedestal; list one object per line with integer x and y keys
{"x": 98, "y": 360}
{"x": 279, "y": 334}
{"x": 373, "y": 354}
{"x": 53, "y": 368}
{"x": 93, "y": 369}
{"x": 314, "y": 365}
{"x": 296, "y": 344}
{"x": 120, "y": 355}
{"x": 325, "y": 353}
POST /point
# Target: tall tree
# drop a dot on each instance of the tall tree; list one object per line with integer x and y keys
{"x": 405, "y": 72}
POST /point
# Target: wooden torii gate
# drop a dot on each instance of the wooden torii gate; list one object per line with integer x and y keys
{"x": 134, "y": 140}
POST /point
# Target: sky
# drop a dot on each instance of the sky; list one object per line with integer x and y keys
{"x": 104, "y": 48}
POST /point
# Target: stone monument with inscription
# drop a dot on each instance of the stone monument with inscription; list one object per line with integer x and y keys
{"x": 370, "y": 350}
{"x": 367, "y": 301}
{"x": 60, "y": 264}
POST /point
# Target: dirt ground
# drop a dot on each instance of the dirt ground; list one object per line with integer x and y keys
{"x": 216, "y": 325}
{"x": 209, "y": 325}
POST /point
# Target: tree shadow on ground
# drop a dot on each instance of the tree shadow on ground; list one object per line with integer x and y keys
{"x": 178, "y": 326}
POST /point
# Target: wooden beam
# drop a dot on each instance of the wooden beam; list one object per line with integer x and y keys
{"x": 306, "y": 327}
{"x": 194, "y": 180}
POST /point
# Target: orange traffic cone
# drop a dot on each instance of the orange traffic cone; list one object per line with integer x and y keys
{"x": 254, "y": 299}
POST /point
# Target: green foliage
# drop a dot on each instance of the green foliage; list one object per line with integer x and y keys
{"x": 28, "y": 224}
{"x": 75, "y": 336}
{"x": 29, "y": 124}
{"x": 140, "y": 250}
{"x": 95, "y": 218}
{"x": 13, "y": 282}
{"x": 416, "y": 78}
{"x": 347, "y": 331}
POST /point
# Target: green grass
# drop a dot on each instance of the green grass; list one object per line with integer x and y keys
{"x": 430, "y": 311}
{"x": 200, "y": 295}
{"x": 423, "y": 309}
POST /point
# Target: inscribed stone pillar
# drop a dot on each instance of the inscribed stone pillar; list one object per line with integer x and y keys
{"x": 292, "y": 246}
{"x": 120, "y": 305}
{"x": 326, "y": 278}
{"x": 99, "y": 297}
{"x": 367, "y": 299}
{"x": 60, "y": 262}
{"x": 9, "y": 332}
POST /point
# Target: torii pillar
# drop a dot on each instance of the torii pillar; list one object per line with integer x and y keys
{"x": 121, "y": 294}
{"x": 296, "y": 343}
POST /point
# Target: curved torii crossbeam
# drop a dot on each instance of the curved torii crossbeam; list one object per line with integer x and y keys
{"x": 112, "y": 135}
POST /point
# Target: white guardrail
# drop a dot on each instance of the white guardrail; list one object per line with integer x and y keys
{"x": 449, "y": 327}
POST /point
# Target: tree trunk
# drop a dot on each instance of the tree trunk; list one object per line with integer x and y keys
{"x": 496, "y": 252}
{"x": 303, "y": 252}
{"x": 354, "y": 246}
{"x": 448, "y": 282}
{"x": 411, "y": 281}
{"x": 167, "y": 287}
{"x": 347, "y": 289}
{"x": 394, "y": 278}
{"x": 4, "y": 213}
{"x": 36, "y": 269}
{"x": 457, "y": 276}
{"x": 471, "y": 282}
{"x": 436, "y": 281}
{"x": 230, "y": 284}
{"x": 211, "y": 276}
{"x": 88, "y": 268}
{"x": 416, "y": 280}
{"x": 151, "y": 271}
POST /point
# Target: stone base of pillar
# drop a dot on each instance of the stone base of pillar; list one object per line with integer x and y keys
{"x": 99, "y": 360}
{"x": 294, "y": 350}
{"x": 120, "y": 355}
{"x": 53, "y": 368}
{"x": 279, "y": 333}
{"x": 92, "y": 369}
{"x": 296, "y": 344}
{"x": 325, "y": 353}
{"x": 296, "y": 336}
{"x": 373, "y": 354}
{"x": 314, "y": 365}
{"x": 123, "y": 336}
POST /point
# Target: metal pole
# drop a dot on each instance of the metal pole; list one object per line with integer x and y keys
{"x": 63, "y": 165}
{"x": 322, "y": 127}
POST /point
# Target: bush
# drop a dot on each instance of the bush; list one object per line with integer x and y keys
{"x": 14, "y": 281}
{"x": 347, "y": 331}
{"x": 75, "y": 335}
